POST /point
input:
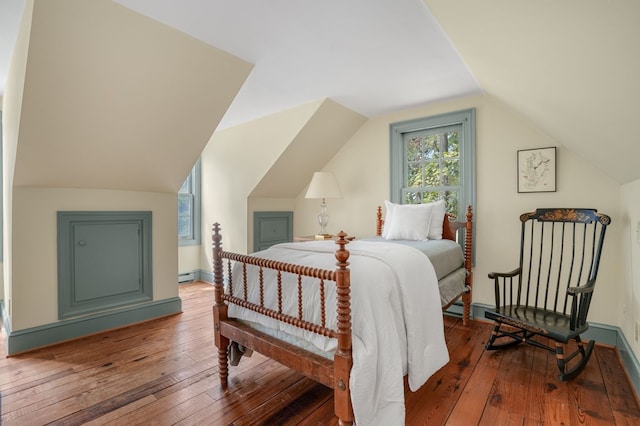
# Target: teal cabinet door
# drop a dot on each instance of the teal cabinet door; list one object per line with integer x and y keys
{"x": 271, "y": 228}
{"x": 104, "y": 261}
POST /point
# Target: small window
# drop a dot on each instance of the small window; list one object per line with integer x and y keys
{"x": 189, "y": 209}
{"x": 433, "y": 158}
{"x": 1, "y": 196}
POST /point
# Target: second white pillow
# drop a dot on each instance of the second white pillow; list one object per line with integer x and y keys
{"x": 407, "y": 221}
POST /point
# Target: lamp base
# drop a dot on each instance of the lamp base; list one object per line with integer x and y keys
{"x": 323, "y": 236}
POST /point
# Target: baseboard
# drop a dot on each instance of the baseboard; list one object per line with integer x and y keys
{"x": 601, "y": 333}
{"x": 49, "y": 334}
{"x": 456, "y": 310}
{"x": 206, "y": 276}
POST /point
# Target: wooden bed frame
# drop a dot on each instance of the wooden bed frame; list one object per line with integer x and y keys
{"x": 332, "y": 373}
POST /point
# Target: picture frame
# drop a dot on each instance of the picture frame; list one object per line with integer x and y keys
{"x": 537, "y": 170}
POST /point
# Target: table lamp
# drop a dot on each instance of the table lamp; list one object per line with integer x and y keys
{"x": 323, "y": 185}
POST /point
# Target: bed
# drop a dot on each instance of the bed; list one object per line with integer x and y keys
{"x": 295, "y": 303}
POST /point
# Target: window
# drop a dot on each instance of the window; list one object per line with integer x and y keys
{"x": 434, "y": 158}
{"x": 189, "y": 209}
{"x": 1, "y": 195}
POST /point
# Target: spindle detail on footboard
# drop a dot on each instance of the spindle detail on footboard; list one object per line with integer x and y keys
{"x": 333, "y": 373}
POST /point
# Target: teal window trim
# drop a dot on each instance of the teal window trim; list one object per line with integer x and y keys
{"x": 1, "y": 195}
{"x": 191, "y": 194}
{"x": 466, "y": 119}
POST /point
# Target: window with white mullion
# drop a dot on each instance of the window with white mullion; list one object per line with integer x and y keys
{"x": 189, "y": 208}
{"x": 433, "y": 158}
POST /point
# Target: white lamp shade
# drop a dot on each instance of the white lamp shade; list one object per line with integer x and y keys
{"x": 323, "y": 185}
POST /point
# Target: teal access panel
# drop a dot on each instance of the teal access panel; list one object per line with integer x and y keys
{"x": 104, "y": 261}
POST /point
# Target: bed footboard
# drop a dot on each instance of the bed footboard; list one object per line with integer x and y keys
{"x": 332, "y": 373}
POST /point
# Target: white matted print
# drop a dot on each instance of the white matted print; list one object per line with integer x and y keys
{"x": 537, "y": 170}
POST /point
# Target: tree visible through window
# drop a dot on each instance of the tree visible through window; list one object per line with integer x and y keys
{"x": 189, "y": 208}
{"x": 433, "y": 158}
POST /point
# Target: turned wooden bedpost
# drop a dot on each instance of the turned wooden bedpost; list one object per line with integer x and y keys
{"x": 468, "y": 247}
{"x": 379, "y": 221}
{"x": 219, "y": 308}
{"x": 343, "y": 359}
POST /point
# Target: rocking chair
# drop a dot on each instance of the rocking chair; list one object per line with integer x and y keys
{"x": 549, "y": 294}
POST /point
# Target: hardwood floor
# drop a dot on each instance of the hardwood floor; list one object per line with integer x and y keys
{"x": 164, "y": 372}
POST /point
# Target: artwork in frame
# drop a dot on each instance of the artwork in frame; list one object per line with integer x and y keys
{"x": 537, "y": 170}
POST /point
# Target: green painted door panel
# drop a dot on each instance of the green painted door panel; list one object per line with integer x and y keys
{"x": 107, "y": 260}
{"x": 104, "y": 261}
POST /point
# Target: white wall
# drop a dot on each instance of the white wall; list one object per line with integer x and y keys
{"x": 362, "y": 170}
{"x": 1, "y": 264}
{"x": 189, "y": 257}
{"x": 628, "y": 306}
{"x": 34, "y": 267}
{"x": 66, "y": 87}
{"x": 233, "y": 163}
{"x": 12, "y": 103}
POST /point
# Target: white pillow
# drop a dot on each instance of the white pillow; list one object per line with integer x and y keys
{"x": 437, "y": 219}
{"x": 388, "y": 206}
{"x": 407, "y": 221}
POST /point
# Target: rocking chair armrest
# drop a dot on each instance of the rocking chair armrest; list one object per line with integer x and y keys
{"x": 496, "y": 275}
{"x": 504, "y": 280}
{"x": 572, "y": 291}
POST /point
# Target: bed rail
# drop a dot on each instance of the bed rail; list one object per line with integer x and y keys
{"x": 280, "y": 267}
{"x": 334, "y": 374}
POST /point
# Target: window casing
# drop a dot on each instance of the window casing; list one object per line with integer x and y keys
{"x": 1, "y": 194}
{"x": 434, "y": 158}
{"x": 189, "y": 209}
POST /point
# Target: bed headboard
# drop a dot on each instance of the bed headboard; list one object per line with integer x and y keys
{"x": 449, "y": 229}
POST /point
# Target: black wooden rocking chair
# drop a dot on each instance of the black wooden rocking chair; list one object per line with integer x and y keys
{"x": 549, "y": 294}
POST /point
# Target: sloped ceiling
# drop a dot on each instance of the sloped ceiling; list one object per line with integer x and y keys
{"x": 570, "y": 66}
{"x": 326, "y": 131}
{"x": 372, "y": 57}
{"x": 115, "y": 100}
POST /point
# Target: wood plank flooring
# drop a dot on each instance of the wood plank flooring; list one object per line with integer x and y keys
{"x": 164, "y": 372}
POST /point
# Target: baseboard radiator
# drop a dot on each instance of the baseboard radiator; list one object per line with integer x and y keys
{"x": 186, "y": 277}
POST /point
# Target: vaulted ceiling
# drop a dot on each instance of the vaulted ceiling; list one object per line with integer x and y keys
{"x": 570, "y": 67}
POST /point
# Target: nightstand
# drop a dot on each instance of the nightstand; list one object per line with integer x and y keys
{"x": 307, "y": 238}
{"x": 313, "y": 238}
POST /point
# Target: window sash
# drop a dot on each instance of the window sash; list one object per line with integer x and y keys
{"x": 189, "y": 208}
{"x": 464, "y": 189}
{"x": 185, "y": 216}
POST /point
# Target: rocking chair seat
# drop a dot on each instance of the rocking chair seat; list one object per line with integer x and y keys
{"x": 551, "y": 324}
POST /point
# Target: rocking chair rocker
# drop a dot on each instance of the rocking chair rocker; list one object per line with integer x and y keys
{"x": 549, "y": 294}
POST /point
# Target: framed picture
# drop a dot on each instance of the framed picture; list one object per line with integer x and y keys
{"x": 537, "y": 170}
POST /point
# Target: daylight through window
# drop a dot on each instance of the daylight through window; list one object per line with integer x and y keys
{"x": 433, "y": 158}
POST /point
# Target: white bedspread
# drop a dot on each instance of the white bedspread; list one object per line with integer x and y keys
{"x": 396, "y": 315}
